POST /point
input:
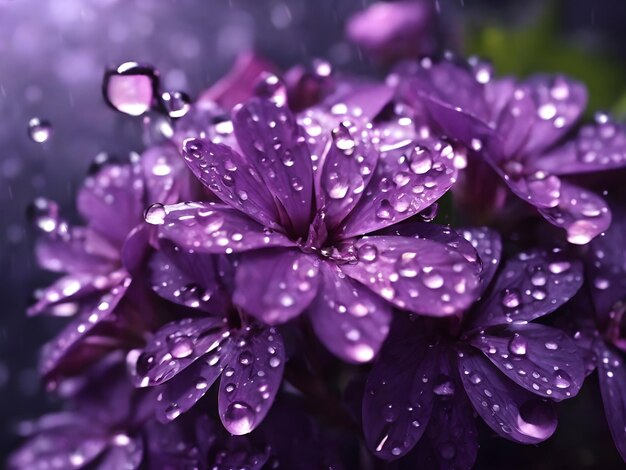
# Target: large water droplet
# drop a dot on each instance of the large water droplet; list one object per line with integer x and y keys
{"x": 176, "y": 103}
{"x": 239, "y": 418}
{"x": 155, "y": 214}
{"x": 536, "y": 419}
{"x": 181, "y": 347}
{"x": 562, "y": 379}
{"x": 510, "y": 299}
{"x": 39, "y": 130}
{"x": 518, "y": 345}
{"x": 367, "y": 252}
{"x": 272, "y": 88}
{"x": 130, "y": 88}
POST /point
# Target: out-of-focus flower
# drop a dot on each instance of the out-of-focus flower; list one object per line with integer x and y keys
{"x": 389, "y": 31}
{"x": 519, "y": 127}
{"x": 432, "y": 374}
{"x": 99, "y": 260}
{"x": 189, "y": 355}
{"x": 297, "y": 202}
{"x": 102, "y": 429}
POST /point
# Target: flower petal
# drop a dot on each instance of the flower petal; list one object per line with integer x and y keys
{"x": 115, "y": 192}
{"x": 543, "y": 360}
{"x": 612, "y": 376}
{"x": 165, "y": 174}
{"x": 583, "y": 214}
{"x": 509, "y": 410}
{"x": 274, "y": 145}
{"x": 349, "y": 319}
{"x": 192, "y": 280}
{"x": 232, "y": 178}
{"x": 71, "y": 288}
{"x": 420, "y": 275}
{"x": 597, "y": 147}
{"x": 398, "y": 398}
{"x": 176, "y": 346}
{"x": 182, "y": 392}
{"x": 606, "y": 265}
{"x": 347, "y": 168}
{"x": 251, "y": 380}
{"x": 70, "y": 338}
{"x": 407, "y": 180}
{"x": 215, "y": 228}
{"x": 488, "y": 245}
{"x": 275, "y": 285}
{"x": 75, "y": 250}
{"x": 238, "y": 84}
{"x": 530, "y": 285}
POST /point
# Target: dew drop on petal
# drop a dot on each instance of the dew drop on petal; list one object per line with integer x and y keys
{"x": 517, "y": 345}
{"x": 536, "y": 419}
{"x": 39, "y": 130}
{"x": 176, "y": 103}
{"x": 239, "y": 418}
{"x": 155, "y": 214}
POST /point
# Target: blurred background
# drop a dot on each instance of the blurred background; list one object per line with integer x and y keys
{"x": 52, "y": 57}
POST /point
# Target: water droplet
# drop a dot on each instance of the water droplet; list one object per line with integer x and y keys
{"x": 536, "y": 419}
{"x": 384, "y": 210}
{"x": 44, "y": 214}
{"x": 181, "y": 347}
{"x": 239, "y": 418}
{"x": 444, "y": 388}
{"x": 420, "y": 160}
{"x": 559, "y": 267}
{"x": 367, "y": 253}
{"x": 510, "y": 299}
{"x": 245, "y": 358}
{"x": 273, "y": 88}
{"x": 130, "y": 88}
{"x": 518, "y": 345}
{"x": 172, "y": 411}
{"x": 39, "y": 130}
{"x": 343, "y": 140}
{"x": 433, "y": 280}
{"x": 176, "y": 103}
{"x": 155, "y": 214}
{"x": 274, "y": 361}
{"x": 561, "y": 379}
{"x": 580, "y": 232}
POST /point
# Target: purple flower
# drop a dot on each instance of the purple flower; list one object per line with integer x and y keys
{"x": 103, "y": 427}
{"x": 184, "y": 358}
{"x": 519, "y": 127}
{"x": 395, "y": 30}
{"x": 433, "y": 374}
{"x": 606, "y": 339}
{"x": 297, "y": 202}
{"x": 98, "y": 260}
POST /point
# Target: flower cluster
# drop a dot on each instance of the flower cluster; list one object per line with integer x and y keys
{"x": 288, "y": 228}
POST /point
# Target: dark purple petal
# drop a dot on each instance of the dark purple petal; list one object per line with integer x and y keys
{"x": 251, "y": 380}
{"x": 73, "y": 287}
{"x": 452, "y": 431}
{"x": 583, "y": 214}
{"x": 612, "y": 375}
{"x": 420, "y": 275}
{"x": 398, "y": 398}
{"x": 273, "y": 144}
{"x": 530, "y": 285}
{"x": 275, "y": 285}
{"x": 348, "y": 318}
{"x": 407, "y": 180}
{"x": 601, "y": 146}
{"x": 124, "y": 453}
{"x": 509, "y": 410}
{"x": 488, "y": 245}
{"x": 192, "y": 280}
{"x": 214, "y": 228}
{"x": 182, "y": 392}
{"x": 176, "y": 346}
{"x": 114, "y": 193}
{"x": 543, "y": 360}
{"x": 75, "y": 250}
{"x": 347, "y": 168}
{"x": 606, "y": 266}
{"x": 232, "y": 178}
{"x": 238, "y": 85}
{"x": 136, "y": 248}
{"x": 80, "y": 327}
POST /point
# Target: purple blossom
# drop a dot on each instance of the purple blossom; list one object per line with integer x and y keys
{"x": 519, "y": 128}
{"x": 395, "y": 30}
{"x": 433, "y": 374}
{"x": 185, "y": 357}
{"x": 98, "y": 261}
{"x": 297, "y": 202}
